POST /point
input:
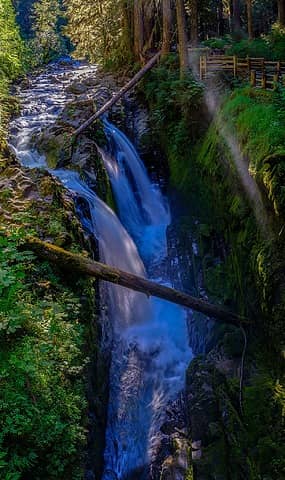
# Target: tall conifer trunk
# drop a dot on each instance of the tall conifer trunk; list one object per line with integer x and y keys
{"x": 167, "y": 26}
{"x": 194, "y": 23}
{"x": 127, "y": 26}
{"x": 220, "y": 19}
{"x": 249, "y": 19}
{"x": 236, "y": 19}
{"x": 281, "y": 12}
{"x": 182, "y": 37}
{"x": 138, "y": 29}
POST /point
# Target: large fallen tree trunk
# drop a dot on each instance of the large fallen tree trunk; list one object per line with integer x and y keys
{"x": 83, "y": 265}
{"x": 117, "y": 96}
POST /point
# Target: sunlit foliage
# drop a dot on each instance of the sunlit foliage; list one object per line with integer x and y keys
{"x": 41, "y": 362}
{"x": 11, "y": 55}
{"x": 48, "y": 41}
{"x": 97, "y": 30}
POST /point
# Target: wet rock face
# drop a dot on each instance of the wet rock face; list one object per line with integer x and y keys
{"x": 77, "y": 88}
{"x": 75, "y": 113}
{"x": 172, "y": 460}
{"x": 56, "y": 140}
{"x": 214, "y": 420}
{"x": 38, "y": 198}
{"x": 202, "y": 382}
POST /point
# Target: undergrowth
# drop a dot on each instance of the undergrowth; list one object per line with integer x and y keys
{"x": 12, "y": 58}
{"x": 45, "y": 338}
{"x": 42, "y": 360}
{"x": 269, "y": 47}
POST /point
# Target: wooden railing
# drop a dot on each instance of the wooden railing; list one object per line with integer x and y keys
{"x": 260, "y": 72}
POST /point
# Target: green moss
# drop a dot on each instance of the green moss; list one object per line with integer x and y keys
{"x": 202, "y": 169}
{"x": 259, "y": 121}
{"x": 189, "y": 474}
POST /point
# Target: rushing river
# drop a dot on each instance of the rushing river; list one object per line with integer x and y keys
{"x": 150, "y": 349}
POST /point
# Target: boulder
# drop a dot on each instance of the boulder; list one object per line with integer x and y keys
{"x": 56, "y": 141}
{"x": 75, "y": 113}
{"x": 77, "y": 88}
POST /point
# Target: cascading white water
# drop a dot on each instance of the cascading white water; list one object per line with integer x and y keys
{"x": 158, "y": 352}
{"x": 116, "y": 248}
{"x": 141, "y": 206}
{"x": 150, "y": 351}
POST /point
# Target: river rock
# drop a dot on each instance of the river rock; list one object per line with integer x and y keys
{"x": 55, "y": 141}
{"x": 75, "y": 113}
{"x": 77, "y": 88}
{"x": 176, "y": 466}
{"x": 92, "y": 81}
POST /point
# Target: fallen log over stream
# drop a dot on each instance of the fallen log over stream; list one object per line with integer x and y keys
{"x": 117, "y": 96}
{"x": 78, "y": 264}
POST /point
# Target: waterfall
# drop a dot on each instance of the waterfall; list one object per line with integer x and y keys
{"x": 116, "y": 248}
{"x": 156, "y": 352}
{"x": 141, "y": 206}
{"x": 150, "y": 348}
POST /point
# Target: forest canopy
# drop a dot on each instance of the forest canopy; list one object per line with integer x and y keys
{"x": 118, "y": 31}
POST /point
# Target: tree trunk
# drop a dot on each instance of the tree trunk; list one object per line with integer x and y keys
{"x": 167, "y": 26}
{"x": 194, "y": 23}
{"x": 78, "y": 264}
{"x": 127, "y": 26}
{"x": 220, "y": 14}
{"x": 117, "y": 96}
{"x": 149, "y": 19}
{"x": 182, "y": 37}
{"x": 236, "y": 20}
{"x": 249, "y": 19}
{"x": 281, "y": 12}
{"x": 138, "y": 29}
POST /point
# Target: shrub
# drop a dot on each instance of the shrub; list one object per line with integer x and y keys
{"x": 41, "y": 356}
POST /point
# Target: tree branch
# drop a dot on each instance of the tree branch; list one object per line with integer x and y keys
{"x": 79, "y": 264}
{"x": 118, "y": 95}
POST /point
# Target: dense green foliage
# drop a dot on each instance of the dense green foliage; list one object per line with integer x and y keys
{"x": 97, "y": 31}
{"x": 48, "y": 42}
{"x": 270, "y": 46}
{"x": 43, "y": 337}
{"x": 175, "y": 107}
{"x": 11, "y": 59}
{"x": 259, "y": 118}
{"x": 41, "y": 364}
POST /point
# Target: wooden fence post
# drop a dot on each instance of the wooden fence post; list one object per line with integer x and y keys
{"x": 235, "y": 65}
{"x": 263, "y": 80}
{"x": 253, "y": 78}
{"x": 205, "y": 65}
{"x": 278, "y": 70}
{"x": 248, "y": 63}
{"x": 201, "y": 67}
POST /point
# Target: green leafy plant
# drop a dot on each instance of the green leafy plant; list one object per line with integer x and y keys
{"x": 42, "y": 399}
